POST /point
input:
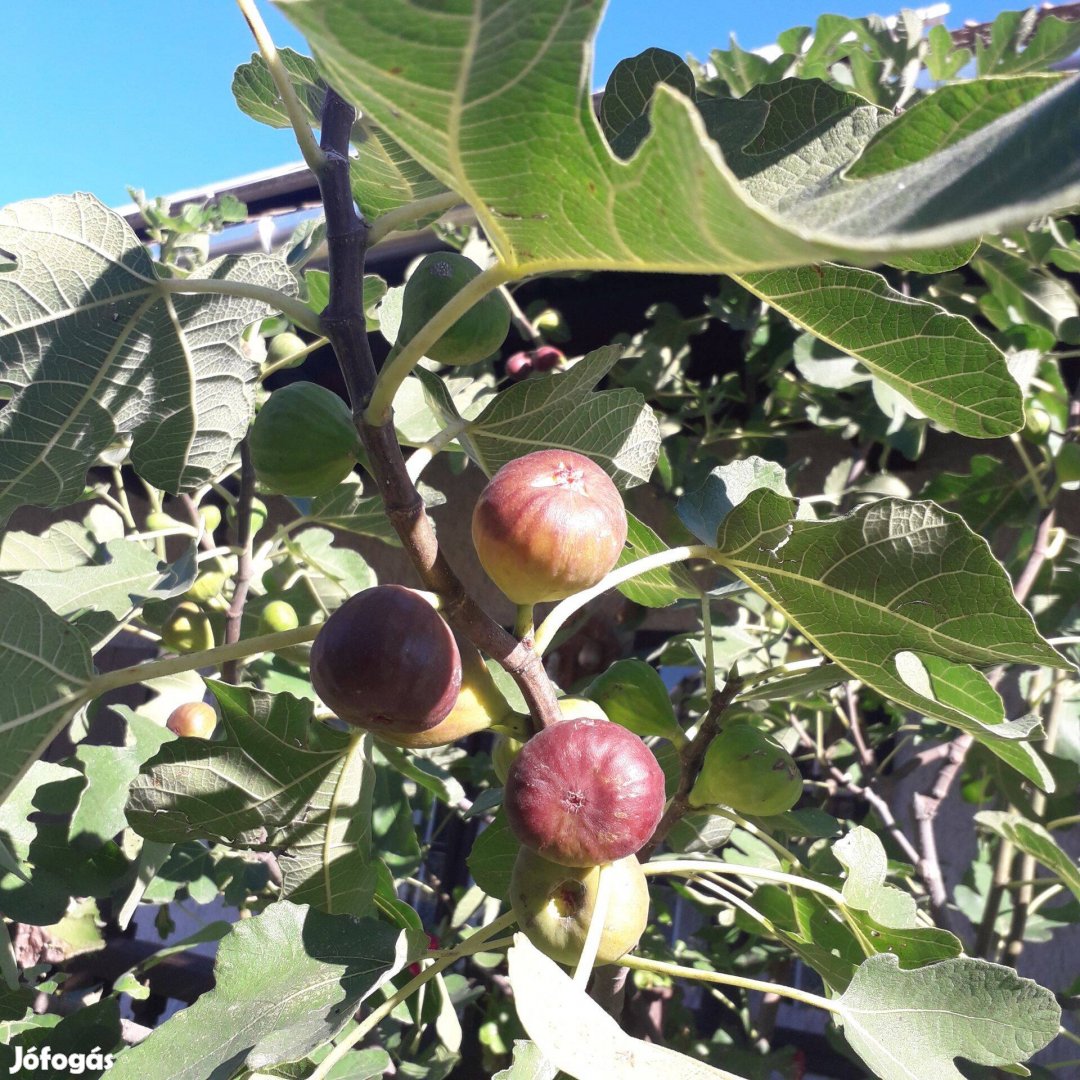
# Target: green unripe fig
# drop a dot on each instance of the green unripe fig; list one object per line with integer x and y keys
{"x": 258, "y": 515}
{"x": 278, "y": 616}
{"x": 749, "y": 771}
{"x": 159, "y": 521}
{"x": 187, "y": 629}
{"x": 303, "y": 441}
{"x": 211, "y": 517}
{"x": 554, "y": 906}
{"x": 436, "y": 280}
{"x": 507, "y": 748}
{"x": 192, "y": 720}
{"x": 283, "y": 346}
{"x": 207, "y": 586}
{"x": 1037, "y": 423}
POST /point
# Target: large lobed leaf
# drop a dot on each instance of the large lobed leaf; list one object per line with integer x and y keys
{"x": 45, "y": 669}
{"x": 95, "y": 349}
{"x": 912, "y": 1025}
{"x": 286, "y": 982}
{"x": 277, "y": 779}
{"x": 453, "y": 82}
{"x": 904, "y": 597}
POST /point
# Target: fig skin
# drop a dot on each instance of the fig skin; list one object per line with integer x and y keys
{"x": 548, "y": 525}
{"x": 749, "y": 771}
{"x": 507, "y": 748}
{"x": 584, "y": 792}
{"x": 479, "y": 704}
{"x": 385, "y": 661}
{"x": 548, "y": 358}
{"x": 192, "y": 720}
{"x": 187, "y": 629}
{"x": 554, "y": 906}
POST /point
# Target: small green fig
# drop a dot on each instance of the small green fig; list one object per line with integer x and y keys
{"x": 211, "y": 516}
{"x": 749, "y": 771}
{"x": 258, "y": 515}
{"x": 282, "y": 347}
{"x": 438, "y": 278}
{"x": 278, "y": 616}
{"x": 192, "y": 720}
{"x": 187, "y": 629}
{"x": 207, "y": 586}
{"x": 303, "y": 441}
{"x": 554, "y": 906}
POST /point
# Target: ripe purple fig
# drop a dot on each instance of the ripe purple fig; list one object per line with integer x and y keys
{"x": 193, "y": 720}
{"x": 479, "y": 704}
{"x": 386, "y": 661}
{"x": 584, "y": 792}
{"x": 548, "y": 525}
{"x": 519, "y": 366}
{"x": 547, "y": 358}
{"x": 554, "y": 906}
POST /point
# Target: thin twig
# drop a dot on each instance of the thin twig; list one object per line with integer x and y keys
{"x": 242, "y": 579}
{"x": 692, "y": 755}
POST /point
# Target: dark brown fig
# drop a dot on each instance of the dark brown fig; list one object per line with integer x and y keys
{"x": 547, "y": 358}
{"x": 479, "y": 704}
{"x": 554, "y": 906}
{"x": 192, "y": 720}
{"x": 548, "y": 525}
{"x": 584, "y": 792}
{"x": 386, "y": 661}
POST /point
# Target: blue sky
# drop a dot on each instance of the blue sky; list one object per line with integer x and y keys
{"x": 116, "y": 92}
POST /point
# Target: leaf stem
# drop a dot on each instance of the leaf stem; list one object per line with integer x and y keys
{"x": 563, "y": 610}
{"x": 305, "y": 139}
{"x": 596, "y": 926}
{"x": 401, "y": 361}
{"x": 386, "y": 223}
{"x": 473, "y": 944}
{"x": 296, "y": 310}
{"x": 173, "y": 665}
{"x": 421, "y": 457}
{"x": 753, "y": 873}
{"x": 710, "y": 661}
{"x": 677, "y": 971}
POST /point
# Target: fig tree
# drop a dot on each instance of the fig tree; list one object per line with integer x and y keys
{"x": 548, "y": 525}
{"x": 187, "y": 629}
{"x": 385, "y": 661}
{"x": 303, "y": 441}
{"x": 479, "y": 704}
{"x": 584, "y": 792}
{"x": 554, "y": 906}
{"x": 436, "y": 280}
{"x": 749, "y": 771}
{"x": 193, "y": 720}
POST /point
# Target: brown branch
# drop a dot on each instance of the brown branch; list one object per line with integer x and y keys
{"x": 692, "y": 756}
{"x": 242, "y": 579}
{"x": 343, "y": 322}
{"x": 927, "y": 804}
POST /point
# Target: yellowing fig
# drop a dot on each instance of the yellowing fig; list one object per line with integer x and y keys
{"x": 749, "y": 771}
{"x": 187, "y": 629}
{"x": 554, "y": 906}
{"x": 282, "y": 347}
{"x": 476, "y": 335}
{"x": 479, "y": 704}
{"x": 211, "y": 516}
{"x": 303, "y": 441}
{"x": 192, "y": 720}
{"x": 548, "y": 525}
{"x": 385, "y": 661}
